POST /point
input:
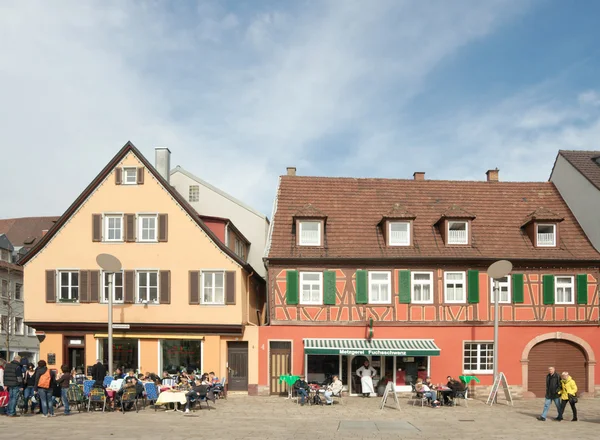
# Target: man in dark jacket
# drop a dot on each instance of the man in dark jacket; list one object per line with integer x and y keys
{"x": 98, "y": 371}
{"x": 552, "y": 388}
{"x": 13, "y": 380}
{"x": 302, "y": 387}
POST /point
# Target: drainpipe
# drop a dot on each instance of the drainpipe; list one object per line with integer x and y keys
{"x": 248, "y": 301}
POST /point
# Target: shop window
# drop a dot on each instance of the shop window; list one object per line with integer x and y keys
{"x": 322, "y": 367}
{"x": 181, "y": 354}
{"x": 125, "y": 353}
{"x": 409, "y": 369}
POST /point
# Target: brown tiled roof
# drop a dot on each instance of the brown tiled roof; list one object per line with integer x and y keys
{"x": 355, "y": 206}
{"x": 309, "y": 211}
{"x": 398, "y": 212}
{"x": 542, "y": 214}
{"x": 26, "y": 231}
{"x": 586, "y": 162}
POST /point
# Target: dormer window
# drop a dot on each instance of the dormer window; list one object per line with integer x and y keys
{"x": 310, "y": 233}
{"x": 458, "y": 232}
{"x": 399, "y": 233}
{"x": 546, "y": 235}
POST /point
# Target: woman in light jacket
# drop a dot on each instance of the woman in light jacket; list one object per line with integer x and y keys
{"x": 568, "y": 393}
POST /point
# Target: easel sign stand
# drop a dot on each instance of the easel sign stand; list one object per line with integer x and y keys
{"x": 390, "y": 390}
{"x": 500, "y": 380}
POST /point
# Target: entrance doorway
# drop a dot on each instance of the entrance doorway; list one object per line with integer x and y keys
{"x": 280, "y": 363}
{"x": 74, "y": 352}
{"x": 237, "y": 366}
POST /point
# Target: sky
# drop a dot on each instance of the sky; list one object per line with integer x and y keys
{"x": 240, "y": 90}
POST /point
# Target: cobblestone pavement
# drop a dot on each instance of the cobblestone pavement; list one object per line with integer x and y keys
{"x": 243, "y": 417}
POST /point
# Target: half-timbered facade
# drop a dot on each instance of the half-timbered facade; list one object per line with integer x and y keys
{"x": 395, "y": 271}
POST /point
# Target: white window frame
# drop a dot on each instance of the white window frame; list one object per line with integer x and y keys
{"x": 537, "y": 226}
{"x": 502, "y": 283}
{"x": 466, "y": 223}
{"x": 124, "y": 180}
{"x": 464, "y": 283}
{"x": 20, "y": 291}
{"x": 479, "y": 357}
{"x": 319, "y": 232}
{"x": 19, "y": 330}
{"x": 70, "y": 285}
{"x": 571, "y": 285}
{"x": 421, "y": 282}
{"x": 106, "y": 220}
{"x": 240, "y": 248}
{"x": 392, "y": 243}
{"x": 4, "y": 293}
{"x": 389, "y": 285}
{"x": 319, "y": 283}
{"x": 30, "y": 331}
{"x": 140, "y": 229}
{"x": 212, "y": 273}
{"x": 197, "y": 188}
{"x": 146, "y": 295}
{"x": 115, "y": 301}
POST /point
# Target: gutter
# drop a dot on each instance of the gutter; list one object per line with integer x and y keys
{"x": 248, "y": 301}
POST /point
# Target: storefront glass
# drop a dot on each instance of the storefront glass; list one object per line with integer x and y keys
{"x": 322, "y": 367}
{"x": 409, "y": 369}
{"x": 180, "y": 354}
{"x": 125, "y": 353}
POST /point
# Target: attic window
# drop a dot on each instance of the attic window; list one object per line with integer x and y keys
{"x": 399, "y": 233}
{"x": 458, "y": 232}
{"x": 310, "y": 233}
{"x": 129, "y": 176}
{"x": 546, "y": 235}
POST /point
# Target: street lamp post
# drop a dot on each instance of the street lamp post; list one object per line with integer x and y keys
{"x": 111, "y": 264}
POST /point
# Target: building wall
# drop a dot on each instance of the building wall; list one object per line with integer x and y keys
{"x": 253, "y": 226}
{"x": 582, "y": 197}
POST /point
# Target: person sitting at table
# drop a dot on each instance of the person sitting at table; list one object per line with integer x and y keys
{"x": 118, "y": 374}
{"x": 302, "y": 387}
{"x": 427, "y": 392}
{"x": 335, "y": 387}
{"x": 79, "y": 377}
{"x": 429, "y": 383}
{"x": 454, "y": 385}
{"x": 198, "y": 391}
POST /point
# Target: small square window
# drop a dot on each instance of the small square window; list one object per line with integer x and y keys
{"x": 113, "y": 228}
{"x": 147, "y": 228}
{"x": 546, "y": 235}
{"x": 311, "y": 288}
{"x": 399, "y": 234}
{"x": 458, "y": 232}
{"x": 194, "y": 194}
{"x": 310, "y": 233}
{"x": 129, "y": 176}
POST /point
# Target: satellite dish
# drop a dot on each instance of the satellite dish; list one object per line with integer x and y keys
{"x": 499, "y": 269}
{"x": 108, "y": 263}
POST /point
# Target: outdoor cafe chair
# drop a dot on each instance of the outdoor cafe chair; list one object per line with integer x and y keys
{"x": 107, "y": 381}
{"x": 97, "y": 397}
{"x": 151, "y": 394}
{"x": 461, "y": 395}
{"x": 129, "y": 397}
{"x": 417, "y": 396}
{"x": 87, "y": 387}
{"x": 75, "y": 396}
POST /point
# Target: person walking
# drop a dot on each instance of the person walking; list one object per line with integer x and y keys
{"x": 63, "y": 382}
{"x": 29, "y": 383}
{"x": 553, "y": 386}
{"x": 568, "y": 393}
{"x": 45, "y": 381}
{"x": 13, "y": 380}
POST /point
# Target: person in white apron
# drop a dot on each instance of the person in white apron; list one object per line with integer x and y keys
{"x": 366, "y": 373}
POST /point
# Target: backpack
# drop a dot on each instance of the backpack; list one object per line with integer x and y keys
{"x": 44, "y": 380}
{"x": 317, "y": 399}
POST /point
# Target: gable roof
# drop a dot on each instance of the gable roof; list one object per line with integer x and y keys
{"x": 5, "y": 243}
{"x": 129, "y": 147}
{"x": 542, "y": 214}
{"x": 355, "y": 206}
{"x": 586, "y": 162}
{"x": 26, "y": 231}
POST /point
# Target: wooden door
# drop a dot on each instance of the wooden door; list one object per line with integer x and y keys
{"x": 280, "y": 363}
{"x": 237, "y": 366}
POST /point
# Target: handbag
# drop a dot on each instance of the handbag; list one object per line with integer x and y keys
{"x": 4, "y": 398}
{"x": 573, "y": 398}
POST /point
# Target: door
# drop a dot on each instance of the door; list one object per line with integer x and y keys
{"x": 280, "y": 363}
{"x": 76, "y": 358}
{"x": 237, "y": 366}
{"x": 74, "y": 351}
{"x": 563, "y": 356}
{"x": 355, "y": 364}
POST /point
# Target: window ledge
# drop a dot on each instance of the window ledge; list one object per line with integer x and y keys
{"x": 379, "y": 303}
{"x": 216, "y": 304}
{"x": 464, "y": 301}
{"x": 311, "y": 303}
{"x": 67, "y": 301}
{"x": 421, "y": 302}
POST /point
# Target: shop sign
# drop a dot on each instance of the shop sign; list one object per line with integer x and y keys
{"x": 353, "y": 352}
{"x": 76, "y": 342}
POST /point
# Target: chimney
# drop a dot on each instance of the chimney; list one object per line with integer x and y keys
{"x": 419, "y": 175}
{"x": 291, "y": 171}
{"x": 162, "y": 162}
{"x": 492, "y": 175}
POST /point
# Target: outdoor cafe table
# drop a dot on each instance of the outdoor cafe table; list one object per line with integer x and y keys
{"x": 290, "y": 380}
{"x": 174, "y": 397}
{"x": 440, "y": 390}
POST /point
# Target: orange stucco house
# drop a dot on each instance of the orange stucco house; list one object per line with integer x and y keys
{"x": 183, "y": 298}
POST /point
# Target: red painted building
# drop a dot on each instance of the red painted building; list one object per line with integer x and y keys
{"x": 394, "y": 271}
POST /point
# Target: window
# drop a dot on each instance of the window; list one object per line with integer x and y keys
{"x": 5, "y": 255}
{"x": 68, "y": 286}
{"x": 113, "y": 227}
{"x": 18, "y": 326}
{"x": 18, "y": 291}
{"x": 546, "y": 235}
{"x": 422, "y": 287}
{"x": 311, "y": 287}
{"x": 563, "y": 290}
{"x": 458, "y": 232}
{"x": 125, "y": 352}
{"x": 147, "y": 283}
{"x": 504, "y": 290}
{"x": 181, "y": 354}
{"x": 129, "y": 176}
{"x": 454, "y": 283}
{"x": 399, "y": 234}
{"x": 380, "y": 287}
{"x": 240, "y": 248}
{"x": 213, "y": 288}
{"x": 310, "y": 233}
{"x": 117, "y": 286}
{"x": 30, "y": 331}
{"x": 147, "y": 227}
{"x": 4, "y": 288}
{"x": 194, "y": 195}
{"x": 4, "y": 324}
{"x": 478, "y": 357}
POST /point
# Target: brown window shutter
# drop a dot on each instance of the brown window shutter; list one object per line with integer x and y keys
{"x": 96, "y": 227}
{"x": 165, "y": 287}
{"x": 194, "y": 287}
{"x": 230, "y": 287}
{"x": 140, "y": 176}
{"x": 50, "y": 286}
{"x": 94, "y": 286}
{"x": 129, "y": 287}
{"x": 84, "y": 291}
{"x": 118, "y": 172}
{"x": 129, "y": 227}
{"x": 163, "y": 226}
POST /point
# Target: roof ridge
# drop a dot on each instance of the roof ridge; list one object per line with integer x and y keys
{"x": 428, "y": 181}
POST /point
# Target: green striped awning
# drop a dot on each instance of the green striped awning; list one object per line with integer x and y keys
{"x": 374, "y": 347}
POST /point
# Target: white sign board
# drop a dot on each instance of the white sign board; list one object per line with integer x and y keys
{"x": 121, "y": 326}
{"x": 390, "y": 390}
{"x": 500, "y": 380}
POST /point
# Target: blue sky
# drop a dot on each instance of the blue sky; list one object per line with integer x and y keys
{"x": 238, "y": 90}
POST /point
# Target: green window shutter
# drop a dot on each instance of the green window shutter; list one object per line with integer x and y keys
{"x": 548, "y": 281}
{"x": 362, "y": 293}
{"x": 404, "y": 283}
{"x": 473, "y": 292}
{"x": 582, "y": 288}
{"x": 291, "y": 293}
{"x": 518, "y": 296}
{"x": 329, "y": 288}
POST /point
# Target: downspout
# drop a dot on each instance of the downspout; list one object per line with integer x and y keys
{"x": 248, "y": 301}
